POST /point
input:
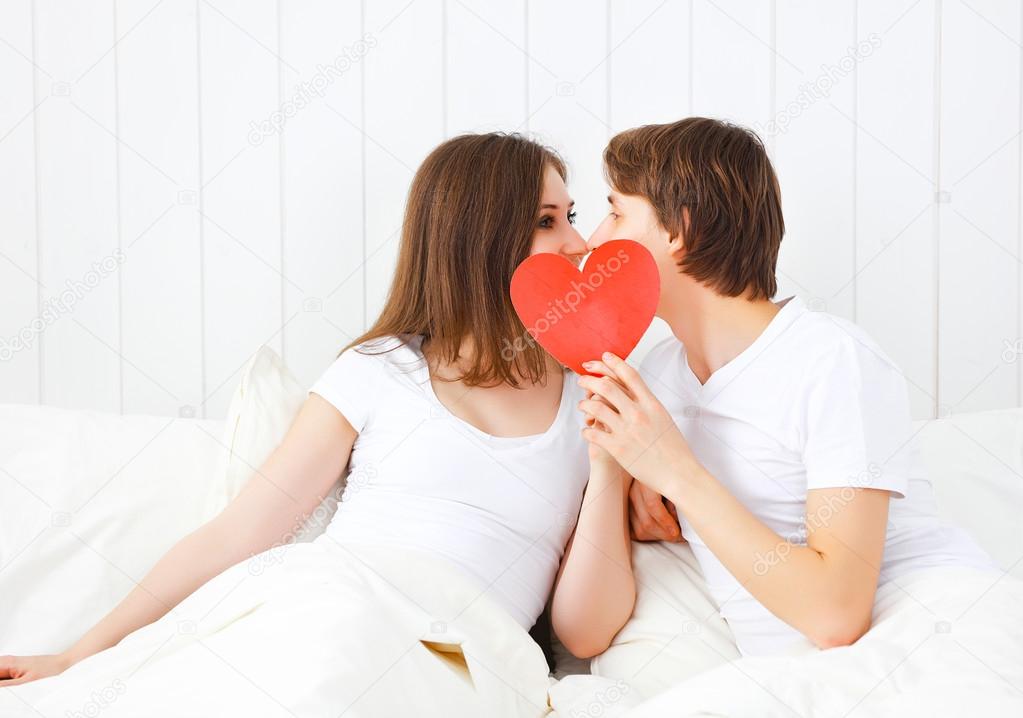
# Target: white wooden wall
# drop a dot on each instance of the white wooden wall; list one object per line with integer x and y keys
{"x": 140, "y": 165}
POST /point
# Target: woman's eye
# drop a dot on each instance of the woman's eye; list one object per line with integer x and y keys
{"x": 571, "y": 217}
{"x": 546, "y": 222}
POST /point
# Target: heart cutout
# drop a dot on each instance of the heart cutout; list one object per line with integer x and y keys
{"x": 577, "y": 315}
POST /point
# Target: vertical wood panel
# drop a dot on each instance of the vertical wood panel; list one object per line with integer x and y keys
{"x": 19, "y": 286}
{"x": 896, "y": 299}
{"x": 322, "y": 180}
{"x": 812, "y": 134}
{"x": 258, "y": 195}
{"x": 158, "y": 109}
{"x": 649, "y": 62}
{"x": 404, "y": 118}
{"x": 77, "y": 194}
{"x": 240, "y": 196}
{"x": 733, "y": 60}
{"x": 568, "y": 96}
{"x": 979, "y": 221}
{"x": 485, "y": 66}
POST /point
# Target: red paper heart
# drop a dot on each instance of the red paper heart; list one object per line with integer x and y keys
{"x": 578, "y": 315}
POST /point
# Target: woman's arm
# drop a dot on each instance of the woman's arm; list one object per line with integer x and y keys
{"x": 288, "y": 487}
{"x": 825, "y": 589}
{"x": 595, "y": 591}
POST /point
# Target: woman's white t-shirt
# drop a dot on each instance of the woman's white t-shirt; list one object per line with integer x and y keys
{"x": 813, "y": 403}
{"x": 499, "y": 508}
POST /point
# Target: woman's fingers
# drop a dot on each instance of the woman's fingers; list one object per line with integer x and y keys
{"x": 590, "y": 421}
{"x": 600, "y": 411}
{"x": 608, "y": 389}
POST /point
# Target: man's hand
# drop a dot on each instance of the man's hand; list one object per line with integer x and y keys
{"x": 633, "y": 426}
{"x": 651, "y": 517}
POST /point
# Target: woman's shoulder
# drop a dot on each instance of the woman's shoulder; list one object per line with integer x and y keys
{"x": 365, "y": 374}
{"x": 374, "y": 360}
{"x": 388, "y": 352}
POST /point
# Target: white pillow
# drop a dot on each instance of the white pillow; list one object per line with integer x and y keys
{"x": 675, "y": 631}
{"x": 262, "y": 410}
{"x": 89, "y": 501}
{"x": 975, "y": 462}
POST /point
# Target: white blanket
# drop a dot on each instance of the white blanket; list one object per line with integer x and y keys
{"x": 307, "y": 630}
{"x": 319, "y": 629}
{"x": 945, "y": 641}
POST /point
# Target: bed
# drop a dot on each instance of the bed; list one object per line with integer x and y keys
{"x": 89, "y": 501}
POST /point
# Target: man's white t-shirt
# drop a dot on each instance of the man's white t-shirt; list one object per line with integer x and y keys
{"x": 812, "y": 403}
{"x": 500, "y": 508}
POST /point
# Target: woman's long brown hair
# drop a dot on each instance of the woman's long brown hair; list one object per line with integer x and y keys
{"x": 469, "y": 221}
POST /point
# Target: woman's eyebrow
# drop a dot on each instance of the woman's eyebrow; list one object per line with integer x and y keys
{"x": 555, "y": 206}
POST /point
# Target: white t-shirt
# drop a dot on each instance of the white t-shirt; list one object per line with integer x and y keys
{"x": 500, "y": 508}
{"x": 812, "y": 403}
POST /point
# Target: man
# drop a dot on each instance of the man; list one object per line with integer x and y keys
{"x": 777, "y": 434}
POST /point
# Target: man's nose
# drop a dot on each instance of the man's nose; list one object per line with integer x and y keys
{"x": 600, "y": 235}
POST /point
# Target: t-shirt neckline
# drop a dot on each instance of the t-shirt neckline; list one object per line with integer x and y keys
{"x": 510, "y": 443}
{"x": 789, "y": 309}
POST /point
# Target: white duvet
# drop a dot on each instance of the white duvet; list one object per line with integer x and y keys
{"x": 308, "y": 630}
{"x": 944, "y": 642}
{"x": 320, "y": 629}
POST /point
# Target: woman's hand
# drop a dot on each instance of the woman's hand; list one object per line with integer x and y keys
{"x": 15, "y": 670}
{"x": 598, "y": 455}
{"x": 633, "y": 426}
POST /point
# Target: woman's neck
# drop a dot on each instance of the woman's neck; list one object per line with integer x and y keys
{"x": 451, "y": 371}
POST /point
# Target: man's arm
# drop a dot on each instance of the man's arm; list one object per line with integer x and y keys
{"x": 825, "y": 589}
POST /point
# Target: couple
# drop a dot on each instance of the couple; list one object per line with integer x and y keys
{"x": 773, "y": 439}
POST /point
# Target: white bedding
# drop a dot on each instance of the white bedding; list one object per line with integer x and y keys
{"x": 90, "y": 501}
{"x": 945, "y": 641}
{"x": 351, "y": 630}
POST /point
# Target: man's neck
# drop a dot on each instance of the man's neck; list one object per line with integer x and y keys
{"x": 714, "y": 329}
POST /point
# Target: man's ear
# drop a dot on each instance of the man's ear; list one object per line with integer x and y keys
{"x": 676, "y": 247}
{"x": 676, "y": 243}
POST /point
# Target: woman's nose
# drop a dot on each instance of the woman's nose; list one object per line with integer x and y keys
{"x": 575, "y": 245}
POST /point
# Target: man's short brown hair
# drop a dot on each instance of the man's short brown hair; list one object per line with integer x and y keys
{"x": 722, "y": 174}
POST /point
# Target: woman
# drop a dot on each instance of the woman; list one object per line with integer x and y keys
{"x": 454, "y": 447}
